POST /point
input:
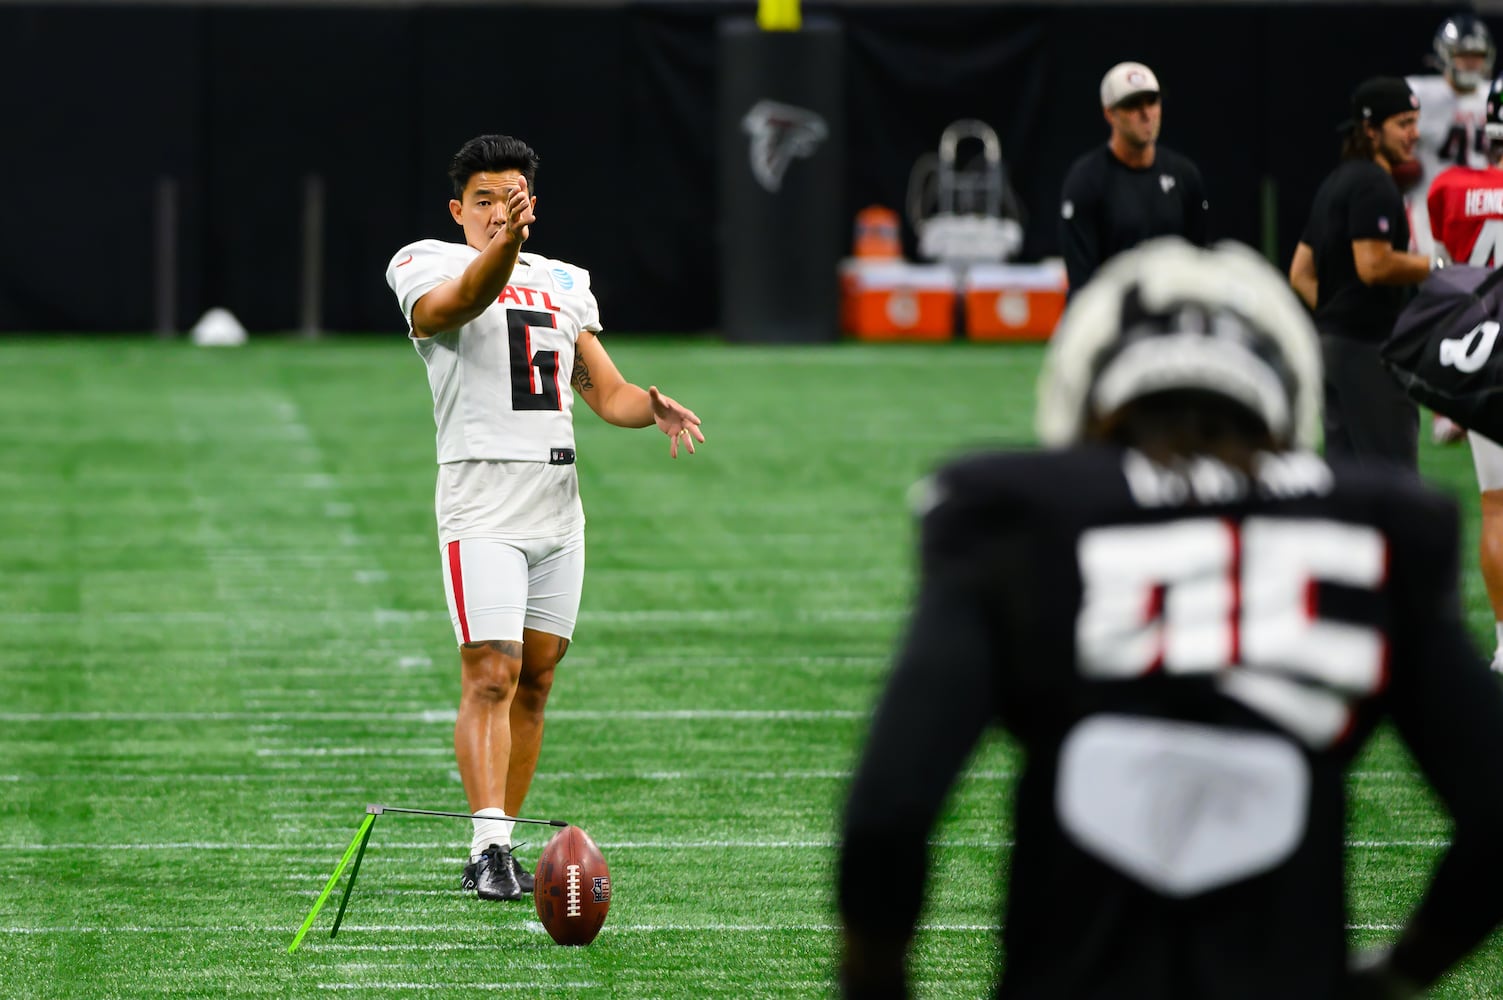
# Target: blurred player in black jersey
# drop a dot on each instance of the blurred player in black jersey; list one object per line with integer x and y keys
{"x": 1191, "y": 624}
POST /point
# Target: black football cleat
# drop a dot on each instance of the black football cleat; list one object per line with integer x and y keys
{"x": 524, "y": 877}
{"x": 492, "y": 875}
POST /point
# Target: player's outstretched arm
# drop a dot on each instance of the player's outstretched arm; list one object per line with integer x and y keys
{"x": 601, "y": 385}
{"x": 456, "y": 302}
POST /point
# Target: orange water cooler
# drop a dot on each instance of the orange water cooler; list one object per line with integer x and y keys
{"x": 1013, "y": 301}
{"x": 883, "y": 300}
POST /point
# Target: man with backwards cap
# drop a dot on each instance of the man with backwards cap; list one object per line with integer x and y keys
{"x": 1131, "y": 189}
{"x": 1351, "y": 267}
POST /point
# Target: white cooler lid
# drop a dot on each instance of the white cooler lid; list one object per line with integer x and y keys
{"x": 882, "y": 275}
{"x": 1048, "y": 275}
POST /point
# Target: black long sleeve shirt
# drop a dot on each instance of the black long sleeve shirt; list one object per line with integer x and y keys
{"x": 1107, "y": 207}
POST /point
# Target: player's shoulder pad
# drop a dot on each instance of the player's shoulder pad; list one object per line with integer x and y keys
{"x": 1180, "y": 165}
{"x": 1362, "y": 165}
{"x": 987, "y": 492}
{"x": 1172, "y": 158}
{"x": 1426, "y": 83}
{"x": 1416, "y": 501}
{"x": 425, "y": 248}
{"x": 566, "y": 277}
{"x": 1084, "y": 174}
{"x": 1408, "y": 508}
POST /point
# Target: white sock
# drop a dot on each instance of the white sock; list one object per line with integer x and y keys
{"x": 1498, "y": 652}
{"x": 490, "y": 830}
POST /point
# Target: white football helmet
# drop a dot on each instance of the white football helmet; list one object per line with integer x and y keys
{"x": 1464, "y": 33}
{"x": 1169, "y": 315}
{"x": 1492, "y": 123}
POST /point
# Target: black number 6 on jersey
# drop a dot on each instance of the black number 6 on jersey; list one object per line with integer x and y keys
{"x": 534, "y": 377}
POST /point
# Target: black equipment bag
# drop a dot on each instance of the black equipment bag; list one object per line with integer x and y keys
{"x": 1444, "y": 348}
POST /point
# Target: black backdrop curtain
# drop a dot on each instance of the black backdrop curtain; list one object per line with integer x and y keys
{"x": 240, "y": 104}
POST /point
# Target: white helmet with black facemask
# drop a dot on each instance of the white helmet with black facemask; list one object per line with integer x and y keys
{"x": 1168, "y": 315}
{"x": 1459, "y": 35}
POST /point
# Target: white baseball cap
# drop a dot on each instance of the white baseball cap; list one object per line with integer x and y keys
{"x": 1124, "y": 80}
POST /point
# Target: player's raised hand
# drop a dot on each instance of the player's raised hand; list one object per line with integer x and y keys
{"x": 516, "y": 213}
{"x": 675, "y": 420}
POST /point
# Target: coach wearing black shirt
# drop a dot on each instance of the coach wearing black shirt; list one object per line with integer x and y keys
{"x": 1131, "y": 189}
{"x": 1351, "y": 268}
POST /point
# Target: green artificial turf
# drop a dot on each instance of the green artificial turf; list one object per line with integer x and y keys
{"x": 223, "y": 634}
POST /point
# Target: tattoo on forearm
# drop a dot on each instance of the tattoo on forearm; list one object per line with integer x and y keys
{"x": 581, "y": 376}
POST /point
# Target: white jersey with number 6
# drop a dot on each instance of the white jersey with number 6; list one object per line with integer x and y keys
{"x": 502, "y": 401}
{"x": 500, "y": 382}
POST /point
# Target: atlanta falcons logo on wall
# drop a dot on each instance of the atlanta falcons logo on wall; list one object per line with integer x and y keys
{"x": 779, "y": 132}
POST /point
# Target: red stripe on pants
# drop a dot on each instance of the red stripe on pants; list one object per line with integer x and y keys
{"x": 457, "y": 578}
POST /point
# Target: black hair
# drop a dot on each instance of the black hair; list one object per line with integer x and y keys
{"x": 492, "y": 153}
{"x": 1178, "y": 423}
{"x": 1358, "y": 143}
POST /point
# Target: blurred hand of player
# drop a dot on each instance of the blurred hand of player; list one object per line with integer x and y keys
{"x": 675, "y": 420}
{"x": 516, "y": 213}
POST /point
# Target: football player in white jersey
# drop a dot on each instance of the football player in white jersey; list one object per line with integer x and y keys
{"x": 510, "y": 339}
{"x": 1453, "y": 108}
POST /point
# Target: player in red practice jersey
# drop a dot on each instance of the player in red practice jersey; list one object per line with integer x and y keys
{"x": 1466, "y": 218}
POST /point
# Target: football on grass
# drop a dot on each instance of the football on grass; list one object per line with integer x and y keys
{"x": 572, "y": 891}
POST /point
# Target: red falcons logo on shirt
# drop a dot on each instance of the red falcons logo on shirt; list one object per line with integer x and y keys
{"x": 780, "y": 132}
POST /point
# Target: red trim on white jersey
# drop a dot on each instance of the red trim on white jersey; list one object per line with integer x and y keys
{"x": 456, "y": 577}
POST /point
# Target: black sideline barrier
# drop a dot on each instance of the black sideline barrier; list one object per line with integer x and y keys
{"x": 239, "y": 104}
{"x": 782, "y": 146}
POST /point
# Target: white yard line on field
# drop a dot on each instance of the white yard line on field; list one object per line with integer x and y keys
{"x": 530, "y": 985}
{"x": 393, "y": 616}
{"x": 813, "y": 843}
{"x": 281, "y": 776}
{"x": 396, "y": 662}
{"x": 441, "y": 715}
{"x": 490, "y": 946}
